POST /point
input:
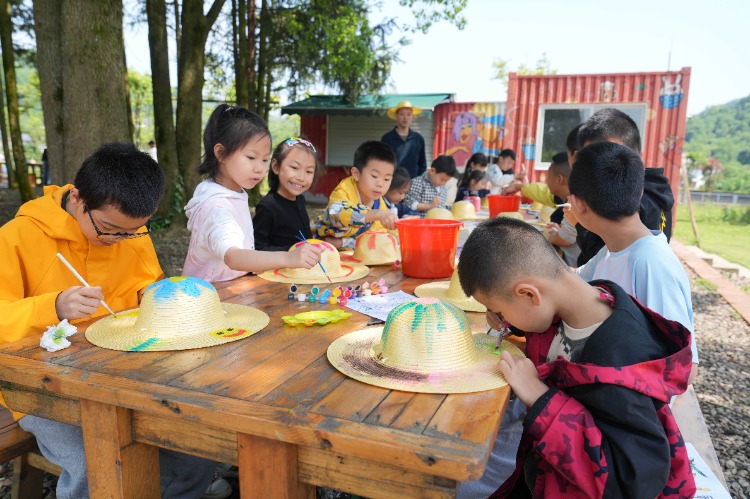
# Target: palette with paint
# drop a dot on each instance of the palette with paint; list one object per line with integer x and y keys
{"x": 319, "y": 317}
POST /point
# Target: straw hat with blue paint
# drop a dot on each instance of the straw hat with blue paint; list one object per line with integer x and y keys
{"x": 177, "y": 313}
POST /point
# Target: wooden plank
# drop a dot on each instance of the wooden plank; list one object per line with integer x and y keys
{"x": 351, "y": 400}
{"x": 687, "y": 412}
{"x": 216, "y": 444}
{"x": 418, "y": 413}
{"x": 27, "y": 481}
{"x": 314, "y": 466}
{"x": 457, "y": 417}
{"x": 39, "y": 462}
{"x": 296, "y": 392}
{"x": 454, "y": 458}
{"x": 289, "y": 360}
{"x": 117, "y": 466}
{"x": 390, "y": 408}
{"x": 268, "y": 468}
{"x": 368, "y": 478}
{"x": 42, "y": 404}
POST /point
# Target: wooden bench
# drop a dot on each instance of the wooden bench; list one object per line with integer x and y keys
{"x": 687, "y": 413}
{"x": 29, "y": 465}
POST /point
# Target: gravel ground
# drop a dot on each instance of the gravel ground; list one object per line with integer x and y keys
{"x": 722, "y": 384}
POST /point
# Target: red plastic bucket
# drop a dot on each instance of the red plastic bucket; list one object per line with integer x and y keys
{"x": 501, "y": 204}
{"x": 428, "y": 247}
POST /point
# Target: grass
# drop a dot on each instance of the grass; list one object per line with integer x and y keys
{"x": 723, "y": 230}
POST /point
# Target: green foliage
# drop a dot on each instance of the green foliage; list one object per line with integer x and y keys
{"x": 142, "y": 107}
{"x": 30, "y": 109}
{"x": 721, "y": 132}
{"x": 502, "y": 69}
{"x": 729, "y": 240}
{"x": 735, "y": 178}
{"x": 283, "y": 127}
{"x": 428, "y": 12}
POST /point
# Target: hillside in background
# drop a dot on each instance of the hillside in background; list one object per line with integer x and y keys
{"x": 722, "y": 132}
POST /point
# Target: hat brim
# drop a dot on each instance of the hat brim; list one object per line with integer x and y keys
{"x": 475, "y": 217}
{"x": 354, "y": 355}
{"x": 351, "y": 272}
{"x": 440, "y": 290}
{"x": 415, "y": 111}
{"x": 119, "y": 333}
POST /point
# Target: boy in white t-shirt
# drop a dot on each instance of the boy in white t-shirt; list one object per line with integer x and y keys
{"x": 606, "y": 186}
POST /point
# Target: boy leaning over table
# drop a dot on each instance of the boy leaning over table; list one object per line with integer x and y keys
{"x": 99, "y": 224}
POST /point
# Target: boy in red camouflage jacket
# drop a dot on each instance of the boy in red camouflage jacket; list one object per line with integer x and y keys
{"x": 600, "y": 372}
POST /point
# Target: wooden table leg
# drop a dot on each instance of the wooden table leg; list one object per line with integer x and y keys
{"x": 118, "y": 467}
{"x": 268, "y": 468}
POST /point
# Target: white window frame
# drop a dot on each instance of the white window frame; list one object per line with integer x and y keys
{"x": 540, "y": 165}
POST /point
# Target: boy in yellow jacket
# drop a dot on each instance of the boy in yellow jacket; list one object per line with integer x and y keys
{"x": 99, "y": 225}
{"x": 356, "y": 204}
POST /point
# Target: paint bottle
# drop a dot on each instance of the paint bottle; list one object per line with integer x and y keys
{"x": 476, "y": 200}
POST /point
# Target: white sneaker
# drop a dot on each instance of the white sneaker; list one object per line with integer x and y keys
{"x": 219, "y": 489}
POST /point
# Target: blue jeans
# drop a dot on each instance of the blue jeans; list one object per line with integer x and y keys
{"x": 182, "y": 476}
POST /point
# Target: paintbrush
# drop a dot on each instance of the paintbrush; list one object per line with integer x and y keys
{"x": 83, "y": 281}
{"x": 302, "y": 238}
{"x": 563, "y": 205}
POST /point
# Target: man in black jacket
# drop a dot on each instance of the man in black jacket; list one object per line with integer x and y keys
{"x": 657, "y": 200}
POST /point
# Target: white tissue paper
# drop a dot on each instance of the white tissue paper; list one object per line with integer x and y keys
{"x": 54, "y": 338}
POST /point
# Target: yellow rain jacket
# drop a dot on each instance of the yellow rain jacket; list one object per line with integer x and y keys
{"x": 538, "y": 191}
{"x": 345, "y": 215}
{"x": 31, "y": 275}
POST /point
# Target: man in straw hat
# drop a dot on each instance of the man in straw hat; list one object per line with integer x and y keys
{"x": 99, "y": 225}
{"x": 600, "y": 372}
{"x": 406, "y": 143}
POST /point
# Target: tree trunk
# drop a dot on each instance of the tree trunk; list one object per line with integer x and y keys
{"x": 164, "y": 132}
{"x": 94, "y": 104}
{"x": 128, "y": 100}
{"x": 242, "y": 77}
{"x": 11, "y": 92}
{"x": 260, "y": 92}
{"x": 177, "y": 26}
{"x": 190, "y": 66}
{"x": 12, "y": 182}
{"x": 252, "y": 23}
{"x": 47, "y": 15}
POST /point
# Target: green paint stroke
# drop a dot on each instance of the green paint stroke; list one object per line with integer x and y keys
{"x": 396, "y": 312}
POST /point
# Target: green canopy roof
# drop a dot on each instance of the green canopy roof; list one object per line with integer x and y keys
{"x": 368, "y": 105}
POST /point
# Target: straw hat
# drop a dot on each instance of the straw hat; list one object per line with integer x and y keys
{"x": 426, "y": 346}
{"x": 377, "y": 247}
{"x": 464, "y": 210}
{"x": 415, "y": 111}
{"x": 545, "y": 213}
{"x": 452, "y": 292}
{"x": 176, "y": 314}
{"x": 511, "y": 214}
{"x": 331, "y": 262}
{"x": 439, "y": 214}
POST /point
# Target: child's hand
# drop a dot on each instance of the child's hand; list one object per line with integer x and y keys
{"x": 388, "y": 220}
{"x": 551, "y": 229}
{"x": 78, "y": 302}
{"x": 494, "y": 321}
{"x": 306, "y": 256}
{"x": 435, "y": 202}
{"x": 570, "y": 216}
{"x": 522, "y": 377}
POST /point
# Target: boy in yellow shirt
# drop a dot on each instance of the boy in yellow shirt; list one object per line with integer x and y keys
{"x": 356, "y": 204}
{"x": 99, "y": 225}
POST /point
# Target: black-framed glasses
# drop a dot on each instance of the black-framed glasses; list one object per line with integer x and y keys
{"x": 116, "y": 235}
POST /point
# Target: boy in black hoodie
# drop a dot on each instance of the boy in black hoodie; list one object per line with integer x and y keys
{"x": 656, "y": 203}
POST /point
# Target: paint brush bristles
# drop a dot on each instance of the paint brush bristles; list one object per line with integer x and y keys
{"x": 83, "y": 281}
{"x": 302, "y": 238}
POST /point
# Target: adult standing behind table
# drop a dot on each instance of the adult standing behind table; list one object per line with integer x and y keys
{"x": 406, "y": 143}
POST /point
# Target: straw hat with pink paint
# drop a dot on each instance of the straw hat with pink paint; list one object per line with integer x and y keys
{"x": 330, "y": 261}
{"x": 377, "y": 247}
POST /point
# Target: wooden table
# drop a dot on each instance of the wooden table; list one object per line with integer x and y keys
{"x": 270, "y": 403}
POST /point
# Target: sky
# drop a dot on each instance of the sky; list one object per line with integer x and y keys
{"x": 577, "y": 36}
